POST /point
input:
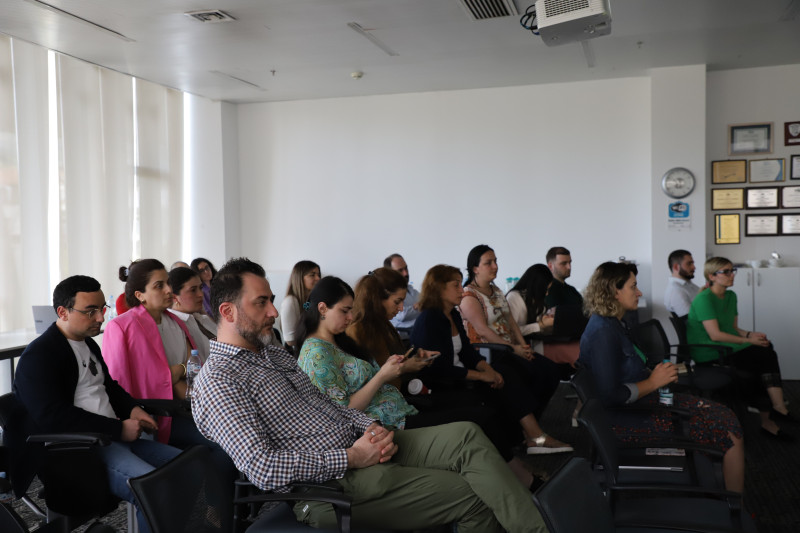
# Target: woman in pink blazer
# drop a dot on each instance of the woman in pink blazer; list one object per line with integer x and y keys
{"x": 146, "y": 349}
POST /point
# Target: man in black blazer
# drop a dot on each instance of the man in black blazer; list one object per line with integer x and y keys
{"x": 64, "y": 384}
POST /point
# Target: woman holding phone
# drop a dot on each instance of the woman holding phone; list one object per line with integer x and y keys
{"x": 463, "y": 374}
{"x": 354, "y": 382}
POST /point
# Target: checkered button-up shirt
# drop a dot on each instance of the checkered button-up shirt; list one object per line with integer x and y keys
{"x": 265, "y": 413}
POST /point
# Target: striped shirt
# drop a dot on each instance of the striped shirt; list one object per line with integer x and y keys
{"x": 270, "y": 419}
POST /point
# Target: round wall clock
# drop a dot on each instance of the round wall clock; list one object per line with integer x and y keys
{"x": 677, "y": 182}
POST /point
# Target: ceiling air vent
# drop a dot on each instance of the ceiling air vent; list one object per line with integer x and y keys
{"x": 214, "y": 15}
{"x": 489, "y": 9}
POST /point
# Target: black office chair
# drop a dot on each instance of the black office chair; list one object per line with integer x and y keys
{"x": 651, "y": 339}
{"x": 709, "y": 507}
{"x": 572, "y": 502}
{"x": 634, "y": 463}
{"x": 187, "y": 495}
{"x": 75, "y": 485}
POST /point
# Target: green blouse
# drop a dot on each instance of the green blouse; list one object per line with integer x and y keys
{"x": 708, "y": 306}
{"x": 339, "y": 374}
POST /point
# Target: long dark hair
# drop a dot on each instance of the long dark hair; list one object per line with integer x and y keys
{"x": 473, "y": 260}
{"x": 136, "y": 276}
{"x": 196, "y": 267}
{"x": 371, "y": 329}
{"x": 330, "y": 290}
{"x": 532, "y": 286}
{"x": 296, "y": 286}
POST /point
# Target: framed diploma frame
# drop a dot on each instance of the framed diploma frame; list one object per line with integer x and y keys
{"x": 795, "y": 167}
{"x": 790, "y": 197}
{"x": 790, "y": 224}
{"x": 764, "y": 170}
{"x": 726, "y": 229}
{"x": 731, "y": 171}
{"x": 791, "y": 133}
{"x": 761, "y": 225}
{"x": 727, "y": 199}
{"x": 762, "y": 198}
{"x": 750, "y": 139}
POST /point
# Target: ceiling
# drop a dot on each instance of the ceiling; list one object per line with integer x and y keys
{"x": 304, "y": 49}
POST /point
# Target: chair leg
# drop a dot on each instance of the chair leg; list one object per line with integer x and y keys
{"x": 133, "y": 523}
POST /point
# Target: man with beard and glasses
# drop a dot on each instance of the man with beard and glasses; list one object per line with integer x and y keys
{"x": 64, "y": 384}
{"x": 253, "y": 399}
{"x": 404, "y": 319}
{"x": 680, "y": 290}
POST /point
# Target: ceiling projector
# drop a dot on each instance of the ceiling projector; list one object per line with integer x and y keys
{"x": 568, "y": 21}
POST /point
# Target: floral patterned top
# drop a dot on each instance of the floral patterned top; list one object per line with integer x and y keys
{"x": 495, "y": 309}
{"x": 338, "y": 375}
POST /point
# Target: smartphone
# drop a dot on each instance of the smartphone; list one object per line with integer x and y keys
{"x": 410, "y": 353}
{"x": 434, "y": 356}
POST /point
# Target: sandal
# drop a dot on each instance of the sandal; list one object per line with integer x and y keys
{"x": 545, "y": 444}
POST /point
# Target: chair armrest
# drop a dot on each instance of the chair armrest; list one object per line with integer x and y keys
{"x": 724, "y": 351}
{"x": 167, "y": 407}
{"x": 48, "y": 439}
{"x": 674, "y": 442}
{"x": 493, "y": 346}
{"x": 320, "y": 493}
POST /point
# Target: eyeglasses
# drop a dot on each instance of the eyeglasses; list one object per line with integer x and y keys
{"x": 727, "y": 271}
{"x": 204, "y": 269}
{"x": 91, "y": 313}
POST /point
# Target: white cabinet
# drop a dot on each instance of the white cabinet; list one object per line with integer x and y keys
{"x": 769, "y": 301}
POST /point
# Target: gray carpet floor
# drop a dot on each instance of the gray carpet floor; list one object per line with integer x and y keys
{"x": 772, "y": 486}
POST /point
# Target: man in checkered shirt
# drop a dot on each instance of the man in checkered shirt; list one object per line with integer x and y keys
{"x": 252, "y": 399}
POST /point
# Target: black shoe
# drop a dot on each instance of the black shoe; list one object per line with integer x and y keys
{"x": 777, "y": 416}
{"x": 536, "y": 483}
{"x": 781, "y": 435}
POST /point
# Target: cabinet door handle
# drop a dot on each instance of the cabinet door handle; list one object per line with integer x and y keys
{"x": 749, "y": 279}
{"x": 758, "y": 279}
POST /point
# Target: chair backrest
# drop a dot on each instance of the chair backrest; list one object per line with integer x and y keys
{"x": 679, "y": 324}
{"x": 572, "y": 502}
{"x": 583, "y": 383}
{"x": 596, "y": 421}
{"x": 185, "y": 495}
{"x": 651, "y": 339}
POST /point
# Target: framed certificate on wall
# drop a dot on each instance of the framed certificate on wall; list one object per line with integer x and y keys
{"x": 765, "y": 170}
{"x": 726, "y": 229}
{"x": 763, "y": 198}
{"x": 727, "y": 199}
{"x": 730, "y": 171}
{"x": 750, "y": 139}
{"x": 761, "y": 225}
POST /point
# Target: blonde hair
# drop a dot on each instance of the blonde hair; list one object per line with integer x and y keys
{"x": 713, "y": 264}
{"x": 600, "y": 296}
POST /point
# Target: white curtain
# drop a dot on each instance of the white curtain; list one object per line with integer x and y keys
{"x": 159, "y": 171}
{"x": 96, "y": 141}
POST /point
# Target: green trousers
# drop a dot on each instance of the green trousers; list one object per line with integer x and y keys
{"x": 439, "y": 475}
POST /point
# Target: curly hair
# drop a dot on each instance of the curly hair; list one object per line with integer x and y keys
{"x": 600, "y": 295}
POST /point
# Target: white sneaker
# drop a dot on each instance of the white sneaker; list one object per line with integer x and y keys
{"x": 541, "y": 448}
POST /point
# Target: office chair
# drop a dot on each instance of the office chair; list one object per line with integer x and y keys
{"x": 75, "y": 486}
{"x": 650, "y": 337}
{"x": 709, "y": 507}
{"x": 572, "y": 502}
{"x": 630, "y": 463}
{"x": 187, "y": 495}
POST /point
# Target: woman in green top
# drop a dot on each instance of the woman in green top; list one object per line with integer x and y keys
{"x": 713, "y": 319}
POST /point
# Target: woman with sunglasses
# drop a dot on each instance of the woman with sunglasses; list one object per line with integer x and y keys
{"x": 713, "y": 319}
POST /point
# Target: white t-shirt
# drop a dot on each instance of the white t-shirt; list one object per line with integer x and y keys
{"x": 200, "y": 340}
{"x": 90, "y": 393}
{"x": 174, "y": 340}
{"x": 457, "y": 350}
{"x": 290, "y": 318}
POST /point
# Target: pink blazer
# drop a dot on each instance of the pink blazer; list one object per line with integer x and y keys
{"x": 135, "y": 356}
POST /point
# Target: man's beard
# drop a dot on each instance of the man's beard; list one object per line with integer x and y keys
{"x": 250, "y": 332}
{"x": 685, "y": 275}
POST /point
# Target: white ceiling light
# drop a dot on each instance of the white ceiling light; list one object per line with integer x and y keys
{"x": 356, "y": 27}
{"x": 59, "y": 11}
{"x": 239, "y": 80}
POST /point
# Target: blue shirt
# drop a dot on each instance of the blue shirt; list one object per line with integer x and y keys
{"x": 608, "y": 353}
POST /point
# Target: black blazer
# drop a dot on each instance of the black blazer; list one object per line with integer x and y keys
{"x": 44, "y": 386}
{"x": 432, "y": 332}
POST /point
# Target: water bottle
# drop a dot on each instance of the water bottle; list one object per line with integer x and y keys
{"x": 111, "y": 312}
{"x": 665, "y": 393}
{"x": 192, "y": 369}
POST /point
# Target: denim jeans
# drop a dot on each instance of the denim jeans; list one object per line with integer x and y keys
{"x": 125, "y": 460}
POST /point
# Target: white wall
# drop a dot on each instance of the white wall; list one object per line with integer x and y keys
{"x": 347, "y": 181}
{"x": 204, "y": 170}
{"x": 768, "y": 94}
{"x": 678, "y": 140}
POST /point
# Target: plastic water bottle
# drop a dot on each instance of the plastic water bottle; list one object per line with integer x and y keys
{"x": 192, "y": 369}
{"x": 665, "y": 393}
